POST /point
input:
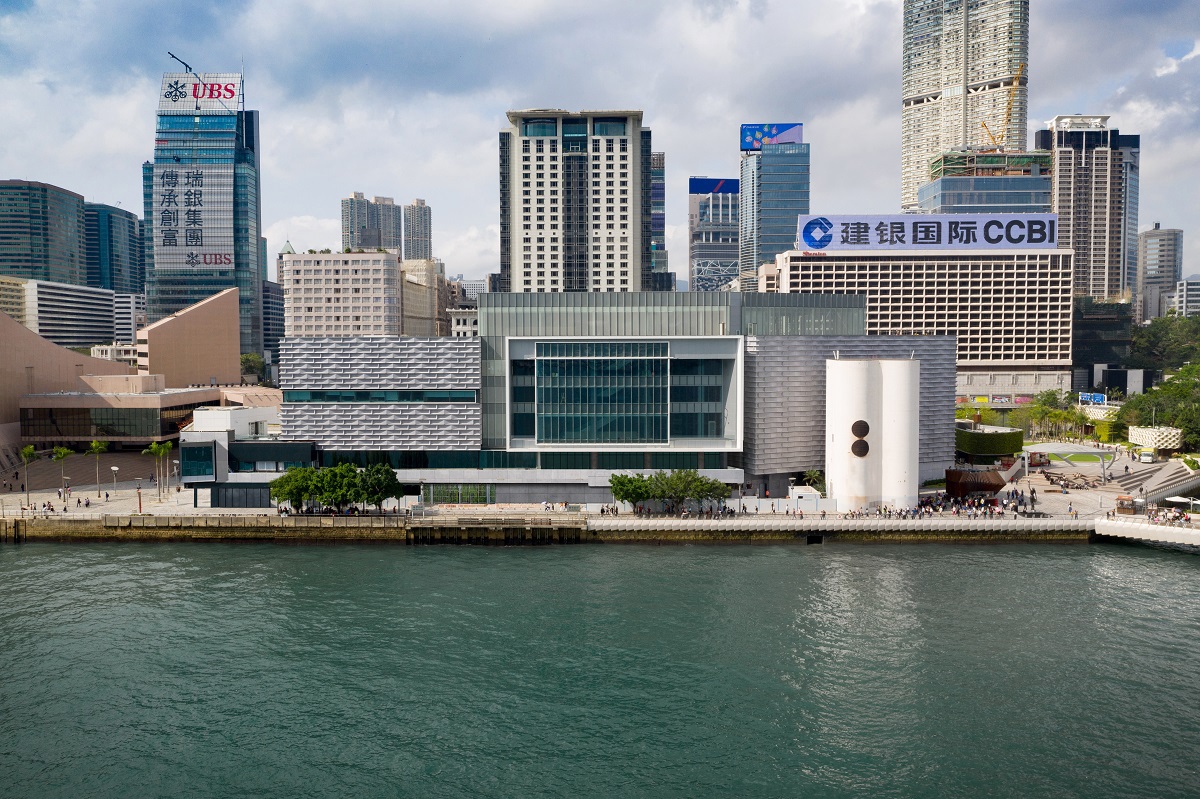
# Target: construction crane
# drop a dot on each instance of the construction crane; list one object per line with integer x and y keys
{"x": 1012, "y": 95}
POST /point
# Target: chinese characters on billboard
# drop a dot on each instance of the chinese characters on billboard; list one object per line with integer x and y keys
{"x": 928, "y": 231}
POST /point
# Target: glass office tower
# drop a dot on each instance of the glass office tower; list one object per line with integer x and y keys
{"x": 774, "y": 191}
{"x": 203, "y": 218}
{"x": 42, "y": 233}
{"x": 114, "y": 249}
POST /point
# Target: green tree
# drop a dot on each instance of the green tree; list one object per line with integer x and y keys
{"x": 28, "y": 454}
{"x": 631, "y": 488}
{"x": 167, "y": 446}
{"x": 96, "y": 449}
{"x": 1173, "y": 403}
{"x": 59, "y": 455}
{"x": 712, "y": 490}
{"x": 1053, "y": 399}
{"x": 814, "y": 478}
{"x": 676, "y": 487}
{"x": 253, "y": 364}
{"x": 156, "y": 450}
{"x": 295, "y": 486}
{"x": 377, "y": 483}
{"x": 338, "y": 486}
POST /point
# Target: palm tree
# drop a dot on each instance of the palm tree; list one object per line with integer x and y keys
{"x": 60, "y": 454}
{"x": 28, "y": 453}
{"x": 167, "y": 446}
{"x": 96, "y": 449}
{"x": 155, "y": 449}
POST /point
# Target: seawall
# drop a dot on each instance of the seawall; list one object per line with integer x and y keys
{"x": 548, "y": 529}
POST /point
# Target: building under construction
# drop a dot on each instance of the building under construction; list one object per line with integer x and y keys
{"x": 983, "y": 181}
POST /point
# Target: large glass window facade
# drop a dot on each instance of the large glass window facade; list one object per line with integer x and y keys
{"x": 196, "y": 460}
{"x": 602, "y": 392}
{"x": 85, "y": 424}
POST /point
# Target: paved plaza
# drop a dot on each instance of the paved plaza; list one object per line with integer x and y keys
{"x": 123, "y": 499}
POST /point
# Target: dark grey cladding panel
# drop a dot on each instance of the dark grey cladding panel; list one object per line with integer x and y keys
{"x": 378, "y": 362}
{"x": 785, "y": 397}
{"x": 384, "y": 426}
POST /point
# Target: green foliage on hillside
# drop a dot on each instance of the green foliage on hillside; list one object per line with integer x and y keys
{"x": 1173, "y": 403}
{"x": 1166, "y": 343}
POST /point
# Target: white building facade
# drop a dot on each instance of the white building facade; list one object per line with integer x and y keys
{"x": 340, "y": 294}
{"x": 67, "y": 314}
{"x": 1007, "y": 304}
{"x": 574, "y": 201}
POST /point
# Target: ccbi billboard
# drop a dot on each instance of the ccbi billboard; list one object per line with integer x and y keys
{"x": 927, "y": 232}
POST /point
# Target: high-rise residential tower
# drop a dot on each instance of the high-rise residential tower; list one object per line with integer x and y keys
{"x": 42, "y": 233}
{"x": 574, "y": 202}
{"x": 114, "y": 249}
{"x": 712, "y": 232}
{"x": 371, "y": 224}
{"x": 774, "y": 190}
{"x": 418, "y": 231}
{"x": 1159, "y": 269}
{"x": 202, "y": 201}
{"x": 659, "y": 277}
{"x": 959, "y": 64}
{"x": 1096, "y": 178}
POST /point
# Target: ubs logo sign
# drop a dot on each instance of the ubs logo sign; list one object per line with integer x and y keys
{"x": 177, "y": 90}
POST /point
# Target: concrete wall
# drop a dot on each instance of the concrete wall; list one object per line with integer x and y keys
{"x": 29, "y": 364}
{"x": 196, "y": 346}
{"x": 785, "y": 400}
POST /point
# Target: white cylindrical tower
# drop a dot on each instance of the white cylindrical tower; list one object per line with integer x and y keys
{"x": 852, "y": 430}
{"x": 900, "y": 442}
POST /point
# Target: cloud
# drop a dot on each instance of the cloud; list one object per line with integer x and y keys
{"x": 405, "y": 99}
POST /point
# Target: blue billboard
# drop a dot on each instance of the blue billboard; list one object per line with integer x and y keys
{"x": 712, "y": 186}
{"x": 927, "y": 232}
{"x": 755, "y": 136}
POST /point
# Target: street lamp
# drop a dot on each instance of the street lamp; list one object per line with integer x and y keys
{"x": 115, "y": 469}
{"x": 176, "y": 473}
{"x": 139, "y": 493}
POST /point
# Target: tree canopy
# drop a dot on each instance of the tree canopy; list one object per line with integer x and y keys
{"x": 1166, "y": 343}
{"x": 1173, "y": 403}
{"x": 675, "y": 487}
{"x": 337, "y": 486}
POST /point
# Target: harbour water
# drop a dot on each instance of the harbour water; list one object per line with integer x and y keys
{"x": 219, "y": 670}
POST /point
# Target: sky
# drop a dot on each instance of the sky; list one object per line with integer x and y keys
{"x": 405, "y": 99}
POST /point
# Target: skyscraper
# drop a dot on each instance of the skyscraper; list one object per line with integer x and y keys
{"x": 42, "y": 233}
{"x": 418, "y": 231}
{"x": 659, "y": 277}
{"x": 1159, "y": 269}
{"x": 371, "y": 224}
{"x": 956, "y": 51}
{"x": 712, "y": 232}
{"x": 774, "y": 191}
{"x": 1096, "y": 176}
{"x": 574, "y": 202}
{"x": 113, "y": 239}
{"x": 203, "y": 217}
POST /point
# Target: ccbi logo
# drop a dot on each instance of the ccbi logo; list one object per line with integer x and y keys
{"x": 816, "y": 233}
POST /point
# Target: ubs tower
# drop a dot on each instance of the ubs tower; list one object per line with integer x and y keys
{"x": 202, "y": 214}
